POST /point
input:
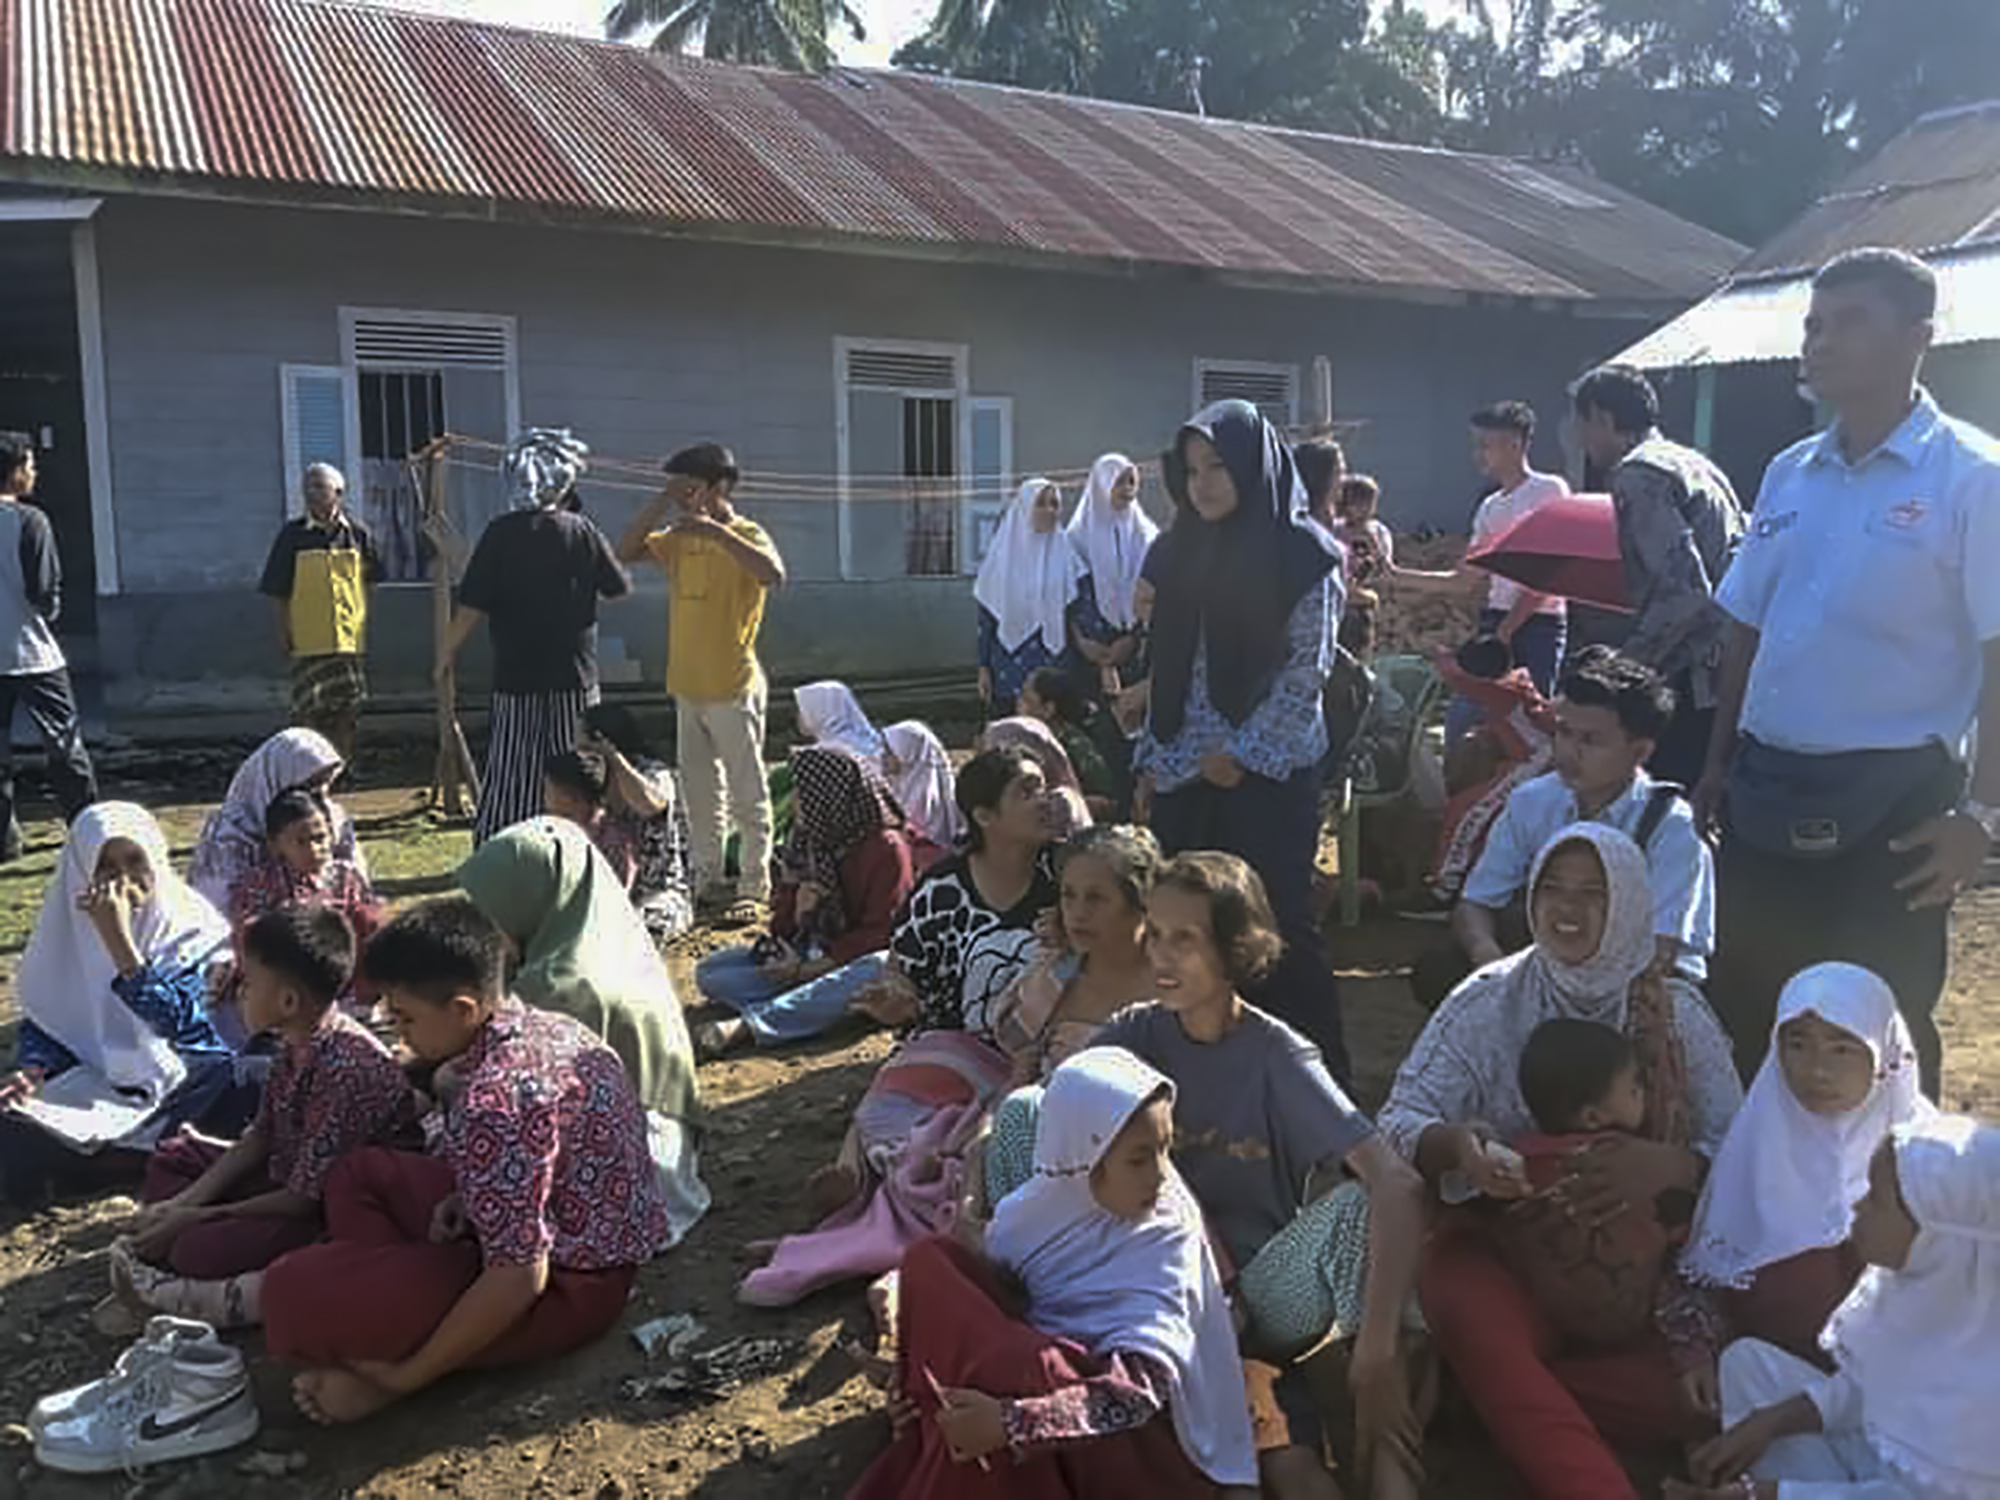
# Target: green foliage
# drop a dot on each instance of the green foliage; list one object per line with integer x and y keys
{"x": 793, "y": 34}
{"x": 1734, "y": 113}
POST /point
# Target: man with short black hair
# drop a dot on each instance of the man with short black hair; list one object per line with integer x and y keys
{"x": 720, "y": 566}
{"x": 32, "y": 666}
{"x": 1678, "y": 526}
{"x": 1609, "y": 718}
{"x": 1863, "y": 650}
{"x": 1534, "y": 626}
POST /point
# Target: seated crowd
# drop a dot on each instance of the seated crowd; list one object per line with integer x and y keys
{"x": 1123, "y": 1227}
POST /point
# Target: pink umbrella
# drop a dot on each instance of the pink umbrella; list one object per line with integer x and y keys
{"x": 1567, "y": 547}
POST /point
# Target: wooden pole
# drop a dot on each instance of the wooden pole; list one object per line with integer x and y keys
{"x": 454, "y": 782}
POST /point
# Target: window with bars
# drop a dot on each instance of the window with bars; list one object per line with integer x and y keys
{"x": 904, "y": 492}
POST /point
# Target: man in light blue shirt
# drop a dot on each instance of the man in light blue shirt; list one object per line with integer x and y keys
{"x": 1609, "y": 719}
{"x": 1864, "y": 646}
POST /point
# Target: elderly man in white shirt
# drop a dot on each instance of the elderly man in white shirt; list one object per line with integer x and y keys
{"x": 1864, "y": 647}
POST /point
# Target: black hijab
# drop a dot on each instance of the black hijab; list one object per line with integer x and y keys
{"x": 1235, "y": 582}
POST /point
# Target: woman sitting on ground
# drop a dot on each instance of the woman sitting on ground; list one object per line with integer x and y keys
{"x": 920, "y": 776}
{"x": 1125, "y": 1322}
{"x": 582, "y": 951}
{"x": 1772, "y": 1231}
{"x": 576, "y": 788}
{"x": 233, "y": 841}
{"x": 645, "y": 799}
{"x": 1067, "y": 810}
{"x": 848, "y": 868}
{"x": 1264, "y": 1133}
{"x": 1553, "y": 1410}
{"x": 1053, "y": 697}
{"x": 114, "y": 992}
{"x": 899, "y": 1173}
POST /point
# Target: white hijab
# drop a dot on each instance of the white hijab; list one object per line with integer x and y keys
{"x": 65, "y": 980}
{"x": 1923, "y": 1343}
{"x": 1786, "y": 1180}
{"x": 1147, "y": 1288}
{"x": 1028, "y": 580}
{"x": 830, "y": 714}
{"x": 923, "y": 783}
{"x": 1112, "y": 542}
{"x": 232, "y": 841}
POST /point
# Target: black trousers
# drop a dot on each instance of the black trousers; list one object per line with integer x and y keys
{"x": 1778, "y": 914}
{"x": 1272, "y": 826}
{"x": 51, "y": 704}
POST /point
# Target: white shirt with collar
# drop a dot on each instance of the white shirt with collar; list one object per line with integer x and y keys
{"x": 1873, "y": 586}
{"x": 1502, "y": 509}
{"x": 1678, "y": 861}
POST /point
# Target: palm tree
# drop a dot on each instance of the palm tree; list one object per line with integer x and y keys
{"x": 1005, "y": 39}
{"x": 781, "y": 33}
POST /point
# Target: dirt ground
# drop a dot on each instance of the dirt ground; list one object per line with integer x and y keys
{"x": 806, "y": 1429}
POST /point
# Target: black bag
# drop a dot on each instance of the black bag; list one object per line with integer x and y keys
{"x": 1822, "y": 806}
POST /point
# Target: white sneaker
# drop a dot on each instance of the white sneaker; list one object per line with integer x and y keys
{"x": 162, "y": 1336}
{"x": 193, "y": 1401}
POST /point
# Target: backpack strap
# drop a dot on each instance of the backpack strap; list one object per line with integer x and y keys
{"x": 1658, "y": 805}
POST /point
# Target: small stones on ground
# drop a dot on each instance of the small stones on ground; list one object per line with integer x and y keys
{"x": 265, "y": 1464}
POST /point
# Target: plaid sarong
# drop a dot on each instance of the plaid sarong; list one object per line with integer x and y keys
{"x": 326, "y": 687}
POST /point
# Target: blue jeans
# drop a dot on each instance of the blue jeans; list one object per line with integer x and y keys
{"x": 1538, "y": 646}
{"x": 776, "y": 1015}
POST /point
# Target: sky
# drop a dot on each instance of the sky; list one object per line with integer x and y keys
{"x": 890, "y": 23}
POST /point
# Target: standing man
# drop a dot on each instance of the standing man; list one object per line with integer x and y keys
{"x": 1863, "y": 649}
{"x": 318, "y": 575}
{"x": 719, "y": 567}
{"x": 32, "y": 666}
{"x": 1678, "y": 526}
{"x": 1533, "y": 626}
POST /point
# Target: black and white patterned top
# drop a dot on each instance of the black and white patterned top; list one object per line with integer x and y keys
{"x": 939, "y": 926}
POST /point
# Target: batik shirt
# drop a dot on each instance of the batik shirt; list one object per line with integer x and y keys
{"x": 1129, "y": 1394}
{"x": 547, "y": 1143}
{"x": 273, "y": 884}
{"x": 335, "y": 1092}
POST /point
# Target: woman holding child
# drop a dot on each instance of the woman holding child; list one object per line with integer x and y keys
{"x": 235, "y": 842}
{"x": 1551, "y": 1407}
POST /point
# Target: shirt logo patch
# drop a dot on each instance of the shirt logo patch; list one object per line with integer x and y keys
{"x": 1908, "y": 514}
{"x": 1770, "y": 526}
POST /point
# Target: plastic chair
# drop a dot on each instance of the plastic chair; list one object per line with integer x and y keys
{"x": 1415, "y": 680}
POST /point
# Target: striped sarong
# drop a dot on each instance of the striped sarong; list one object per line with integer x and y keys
{"x": 527, "y": 731}
{"x": 326, "y": 688}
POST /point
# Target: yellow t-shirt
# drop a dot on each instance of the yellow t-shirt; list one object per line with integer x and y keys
{"x": 717, "y": 608}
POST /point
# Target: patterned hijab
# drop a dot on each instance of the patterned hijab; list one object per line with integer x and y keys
{"x": 585, "y": 953}
{"x": 543, "y": 466}
{"x": 840, "y": 799}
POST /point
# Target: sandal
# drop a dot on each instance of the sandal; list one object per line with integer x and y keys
{"x": 713, "y": 1039}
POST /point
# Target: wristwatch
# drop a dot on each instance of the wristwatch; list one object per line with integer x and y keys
{"x": 1988, "y": 818}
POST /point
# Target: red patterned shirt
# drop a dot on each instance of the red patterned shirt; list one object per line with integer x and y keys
{"x": 271, "y": 884}
{"x": 335, "y": 1092}
{"x": 548, "y": 1144}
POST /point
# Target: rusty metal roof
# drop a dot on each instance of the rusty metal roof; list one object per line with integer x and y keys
{"x": 317, "y": 100}
{"x": 1933, "y": 189}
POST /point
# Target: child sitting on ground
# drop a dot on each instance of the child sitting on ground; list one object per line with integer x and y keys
{"x": 214, "y": 1212}
{"x": 1598, "y": 1285}
{"x": 1908, "y": 1414}
{"x": 1052, "y": 695}
{"x": 519, "y": 1240}
{"x": 1124, "y": 1323}
{"x": 576, "y": 785}
{"x": 303, "y": 868}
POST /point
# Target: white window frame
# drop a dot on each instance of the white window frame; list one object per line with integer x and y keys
{"x": 352, "y": 367}
{"x": 1203, "y": 367}
{"x": 1003, "y": 408}
{"x": 288, "y": 419}
{"x": 961, "y": 393}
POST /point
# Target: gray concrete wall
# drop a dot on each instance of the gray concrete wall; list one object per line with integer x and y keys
{"x": 642, "y": 344}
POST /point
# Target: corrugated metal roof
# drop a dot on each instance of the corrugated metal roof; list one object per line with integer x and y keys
{"x": 1933, "y": 191}
{"x": 1755, "y": 321}
{"x": 306, "y": 100}
{"x": 1936, "y": 187}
